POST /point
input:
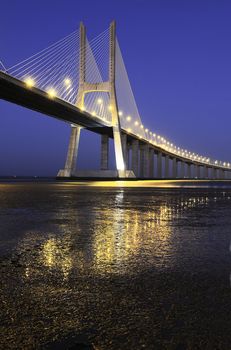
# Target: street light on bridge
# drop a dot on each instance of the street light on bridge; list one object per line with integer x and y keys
{"x": 29, "y": 82}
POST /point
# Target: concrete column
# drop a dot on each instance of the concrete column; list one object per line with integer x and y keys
{"x": 144, "y": 158}
{"x": 189, "y": 173}
{"x": 127, "y": 156}
{"x": 198, "y": 171}
{"x": 151, "y": 163}
{"x": 174, "y": 168}
{"x": 159, "y": 165}
{"x": 72, "y": 153}
{"x": 125, "y": 149}
{"x": 221, "y": 174}
{"x": 182, "y": 166}
{"x": 206, "y": 172}
{"x": 213, "y": 173}
{"x": 104, "y": 152}
{"x": 135, "y": 153}
{"x": 166, "y": 170}
{"x": 141, "y": 171}
{"x": 146, "y": 161}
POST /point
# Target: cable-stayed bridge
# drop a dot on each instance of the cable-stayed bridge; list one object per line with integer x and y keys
{"x": 85, "y": 83}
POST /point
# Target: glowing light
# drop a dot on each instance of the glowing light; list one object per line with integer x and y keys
{"x": 29, "y": 82}
{"x": 141, "y": 126}
{"x": 51, "y": 92}
{"x": 146, "y": 130}
{"x": 136, "y": 122}
{"x": 94, "y": 113}
{"x": 110, "y": 107}
{"x": 99, "y": 101}
{"x": 67, "y": 82}
{"x": 120, "y": 113}
{"x": 128, "y": 118}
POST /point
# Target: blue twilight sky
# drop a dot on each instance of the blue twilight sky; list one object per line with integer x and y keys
{"x": 178, "y": 57}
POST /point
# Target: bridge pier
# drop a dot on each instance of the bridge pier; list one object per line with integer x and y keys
{"x": 128, "y": 157}
{"x": 144, "y": 161}
{"x": 166, "y": 170}
{"x": 174, "y": 168}
{"x": 104, "y": 152}
{"x": 182, "y": 169}
{"x": 221, "y": 174}
{"x": 151, "y": 162}
{"x": 125, "y": 149}
{"x": 189, "y": 172}
{"x": 159, "y": 165}
{"x": 198, "y": 173}
{"x": 213, "y": 171}
{"x": 72, "y": 153}
{"x": 135, "y": 157}
{"x": 206, "y": 172}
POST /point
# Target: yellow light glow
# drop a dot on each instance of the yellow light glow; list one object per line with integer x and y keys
{"x": 110, "y": 107}
{"x": 120, "y": 113}
{"x": 51, "y": 92}
{"x": 29, "y": 82}
{"x": 99, "y": 101}
{"x": 67, "y": 82}
{"x": 136, "y": 122}
{"x": 128, "y": 118}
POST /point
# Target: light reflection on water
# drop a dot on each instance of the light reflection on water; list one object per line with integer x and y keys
{"x": 120, "y": 266}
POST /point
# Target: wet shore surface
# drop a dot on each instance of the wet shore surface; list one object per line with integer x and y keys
{"x": 114, "y": 266}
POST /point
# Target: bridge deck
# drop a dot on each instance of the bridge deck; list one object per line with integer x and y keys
{"x": 16, "y": 91}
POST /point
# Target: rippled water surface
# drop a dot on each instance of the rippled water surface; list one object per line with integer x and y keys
{"x": 117, "y": 267}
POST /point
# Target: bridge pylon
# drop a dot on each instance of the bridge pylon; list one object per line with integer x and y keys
{"x": 86, "y": 87}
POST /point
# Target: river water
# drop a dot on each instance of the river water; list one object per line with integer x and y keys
{"x": 125, "y": 266}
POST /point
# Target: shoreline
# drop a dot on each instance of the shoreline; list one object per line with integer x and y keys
{"x": 121, "y": 183}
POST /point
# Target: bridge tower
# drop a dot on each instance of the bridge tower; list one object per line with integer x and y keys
{"x": 87, "y": 87}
